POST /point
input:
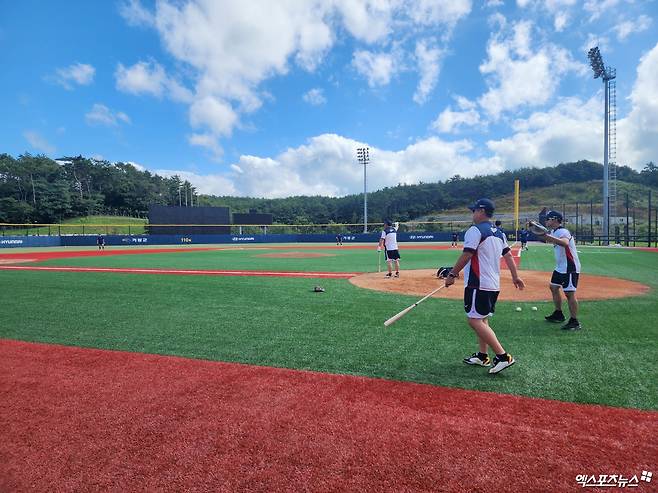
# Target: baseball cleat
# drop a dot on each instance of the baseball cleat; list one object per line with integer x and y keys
{"x": 555, "y": 317}
{"x": 397, "y": 274}
{"x": 389, "y": 275}
{"x": 572, "y": 324}
{"x": 499, "y": 364}
{"x": 478, "y": 359}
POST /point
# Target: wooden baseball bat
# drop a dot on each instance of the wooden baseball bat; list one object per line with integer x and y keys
{"x": 398, "y": 316}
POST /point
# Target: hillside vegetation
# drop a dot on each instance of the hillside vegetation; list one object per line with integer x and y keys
{"x": 36, "y": 189}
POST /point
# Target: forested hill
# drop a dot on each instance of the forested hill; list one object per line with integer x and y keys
{"x": 39, "y": 189}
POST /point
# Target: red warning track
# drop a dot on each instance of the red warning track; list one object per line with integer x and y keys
{"x": 87, "y": 420}
{"x": 184, "y": 272}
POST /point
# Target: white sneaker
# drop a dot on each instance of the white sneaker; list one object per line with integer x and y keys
{"x": 499, "y": 364}
{"x": 475, "y": 359}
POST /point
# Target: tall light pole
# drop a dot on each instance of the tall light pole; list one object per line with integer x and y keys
{"x": 362, "y": 155}
{"x": 607, "y": 74}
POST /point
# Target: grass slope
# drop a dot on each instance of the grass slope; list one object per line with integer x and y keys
{"x": 87, "y": 225}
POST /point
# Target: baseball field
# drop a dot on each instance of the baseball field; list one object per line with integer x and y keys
{"x": 219, "y": 368}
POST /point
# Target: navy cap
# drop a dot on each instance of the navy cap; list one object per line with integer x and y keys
{"x": 485, "y": 204}
{"x": 554, "y": 215}
{"x": 388, "y": 222}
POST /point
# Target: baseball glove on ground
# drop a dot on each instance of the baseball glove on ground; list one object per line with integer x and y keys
{"x": 442, "y": 273}
{"x": 536, "y": 228}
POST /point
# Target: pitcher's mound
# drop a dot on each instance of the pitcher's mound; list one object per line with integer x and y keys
{"x": 422, "y": 281}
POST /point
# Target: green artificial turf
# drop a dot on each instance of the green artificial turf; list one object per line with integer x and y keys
{"x": 281, "y": 322}
{"x": 331, "y": 260}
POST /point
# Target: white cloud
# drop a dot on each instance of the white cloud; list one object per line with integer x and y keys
{"x": 212, "y": 184}
{"x": 569, "y": 131}
{"x": 229, "y": 51}
{"x": 102, "y": 115}
{"x": 598, "y": 7}
{"x": 449, "y": 121}
{"x": 38, "y": 142}
{"x": 368, "y": 20}
{"x": 429, "y": 66}
{"x": 625, "y": 28}
{"x": 213, "y": 113}
{"x": 520, "y": 75}
{"x": 314, "y": 97}
{"x": 77, "y": 73}
{"x": 143, "y": 77}
{"x": 135, "y": 14}
{"x": 150, "y": 78}
{"x": 377, "y": 68}
{"x": 637, "y": 141}
{"x": 208, "y": 141}
{"x": 433, "y": 12}
{"x": 326, "y": 165}
{"x": 573, "y": 129}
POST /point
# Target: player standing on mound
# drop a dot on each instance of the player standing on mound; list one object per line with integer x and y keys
{"x": 484, "y": 244}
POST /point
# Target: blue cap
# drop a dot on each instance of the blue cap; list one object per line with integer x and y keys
{"x": 554, "y": 215}
{"x": 485, "y": 204}
{"x": 388, "y": 222}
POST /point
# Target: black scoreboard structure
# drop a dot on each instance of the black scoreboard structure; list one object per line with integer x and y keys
{"x": 253, "y": 218}
{"x": 189, "y": 220}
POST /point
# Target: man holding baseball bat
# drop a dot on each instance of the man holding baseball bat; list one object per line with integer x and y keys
{"x": 484, "y": 244}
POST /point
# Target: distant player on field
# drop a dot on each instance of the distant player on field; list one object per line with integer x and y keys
{"x": 389, "y": 240}
{"x": 455, "y": 239}
{"x": 523, "y": 236}
{"x": 100, "y": 241}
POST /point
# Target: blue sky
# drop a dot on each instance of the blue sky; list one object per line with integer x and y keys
{"x": 271, "y": 99}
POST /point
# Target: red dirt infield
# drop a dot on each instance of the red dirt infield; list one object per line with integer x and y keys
{"x": 78, "y": 419}
{"x": 421, "y": 281}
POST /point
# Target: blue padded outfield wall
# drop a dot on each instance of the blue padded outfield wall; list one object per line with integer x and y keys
{"x": 115, "y": 240}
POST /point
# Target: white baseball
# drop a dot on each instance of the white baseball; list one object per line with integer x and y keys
{"x": 518, "y": 308}
{"x": 534, "y": 308}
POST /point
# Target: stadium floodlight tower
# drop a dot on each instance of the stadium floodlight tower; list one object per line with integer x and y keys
{"x": 608, "y": 75}
{"x": 362, "y": 155}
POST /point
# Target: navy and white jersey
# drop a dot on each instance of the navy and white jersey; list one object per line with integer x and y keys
{"x": 390, "y": 237}
{"x": 566, "y": 259}
{"x": 487, "y": 244}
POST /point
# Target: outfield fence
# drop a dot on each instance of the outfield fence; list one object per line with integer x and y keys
{"x": 16, "y": 235}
